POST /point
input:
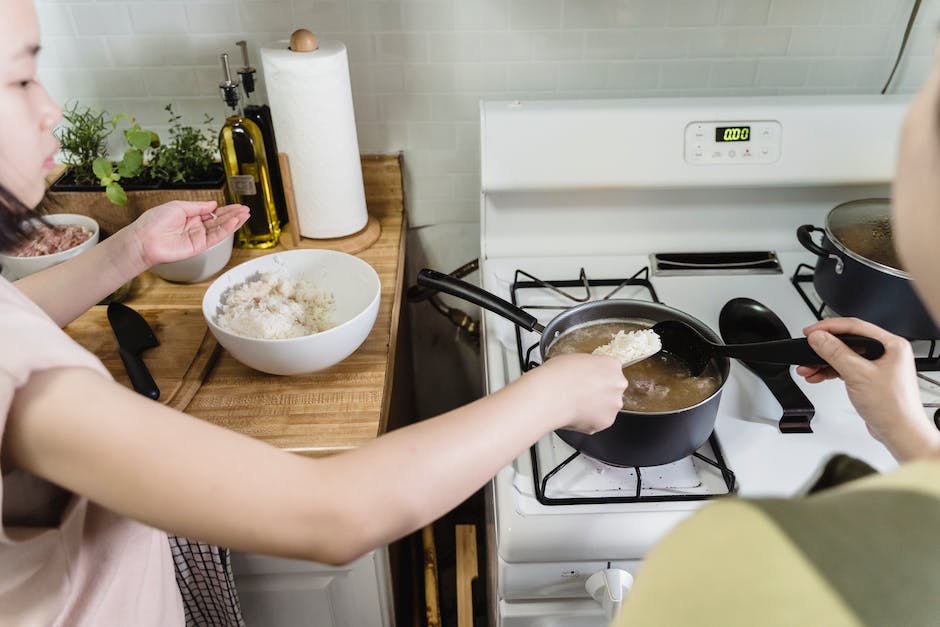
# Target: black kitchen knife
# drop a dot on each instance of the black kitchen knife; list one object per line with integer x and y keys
{"x": 133, "y": 336}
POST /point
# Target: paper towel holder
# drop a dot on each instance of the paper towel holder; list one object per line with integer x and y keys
{"x": 303, "y": 40}
{"x": 290, "y": 234}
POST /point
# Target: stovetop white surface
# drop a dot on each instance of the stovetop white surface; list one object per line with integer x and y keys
{"x": 765, "y": 461}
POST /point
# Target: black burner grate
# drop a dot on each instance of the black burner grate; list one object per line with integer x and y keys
{"x": 541, "y": 487}
{"x": 582, "y": 290}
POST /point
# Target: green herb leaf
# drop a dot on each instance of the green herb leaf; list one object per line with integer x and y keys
{"x": 103, "y": 168}
{"x": 130, "y": 164}
{"x": 138, "y": 138}
{"x": 116, "y": 194}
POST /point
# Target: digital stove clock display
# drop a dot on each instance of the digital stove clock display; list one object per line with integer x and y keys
{"x": 732, "y": 133}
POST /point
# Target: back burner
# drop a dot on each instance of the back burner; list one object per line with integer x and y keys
{"x": 926, "y": 350}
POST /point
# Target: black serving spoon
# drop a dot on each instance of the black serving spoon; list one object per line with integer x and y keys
{"x": 745, "y": 321}
{"x": 695, "y": 350}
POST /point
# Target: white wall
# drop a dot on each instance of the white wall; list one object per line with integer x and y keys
{"x": 419, "y": 67}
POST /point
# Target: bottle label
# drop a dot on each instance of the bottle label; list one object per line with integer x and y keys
{"x": 242, "y": 185}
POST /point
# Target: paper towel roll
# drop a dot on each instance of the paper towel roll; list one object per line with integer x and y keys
{"x": 312, "y": 111}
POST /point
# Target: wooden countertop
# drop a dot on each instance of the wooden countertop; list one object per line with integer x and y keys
{"x": 333, "y": 410}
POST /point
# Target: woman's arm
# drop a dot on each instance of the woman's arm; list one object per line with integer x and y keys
{"x": 144, "y": 460}
{"x": 67, "y": 290}
{"x": 175, "y": 230}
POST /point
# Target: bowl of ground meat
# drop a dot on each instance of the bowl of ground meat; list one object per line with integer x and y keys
{"x": 52, "y": 240}
{"x": 293, "y": 312}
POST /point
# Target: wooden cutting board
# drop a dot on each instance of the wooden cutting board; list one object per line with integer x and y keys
{"x": 178, "y": 365}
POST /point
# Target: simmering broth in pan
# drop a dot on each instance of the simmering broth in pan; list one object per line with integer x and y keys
{"x": 659, "y": 383}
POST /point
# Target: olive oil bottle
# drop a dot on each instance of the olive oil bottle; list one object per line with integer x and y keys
{"x": 261, "y": 115}
{"x": 241, "y": 146}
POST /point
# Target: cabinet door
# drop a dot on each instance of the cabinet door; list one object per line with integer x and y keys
{"x": 277, "y": 592}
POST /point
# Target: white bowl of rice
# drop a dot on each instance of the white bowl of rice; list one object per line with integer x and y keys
{"x": 293, "y": 312}
{"x": 68, "y": 235}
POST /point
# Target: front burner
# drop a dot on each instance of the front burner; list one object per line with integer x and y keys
{"x": 695, "y": 478}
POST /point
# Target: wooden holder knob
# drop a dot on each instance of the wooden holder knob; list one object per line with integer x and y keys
{"x": 302, "y": 40}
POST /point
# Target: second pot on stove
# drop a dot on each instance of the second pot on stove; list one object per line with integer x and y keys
{"x": 635, "y": 438}
{"x": 858, "y": 273}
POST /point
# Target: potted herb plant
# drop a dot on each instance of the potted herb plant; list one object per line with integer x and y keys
{"x": 188, "y": 159}
{"x": 149, "y": 172}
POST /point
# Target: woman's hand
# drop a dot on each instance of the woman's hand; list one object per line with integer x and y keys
{"x": 180, "y": 229}
{"x": 884, "y": 390}
{"x": 584, "y": 392}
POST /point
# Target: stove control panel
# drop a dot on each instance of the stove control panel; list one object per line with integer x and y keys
{"x": 732, "y": 142}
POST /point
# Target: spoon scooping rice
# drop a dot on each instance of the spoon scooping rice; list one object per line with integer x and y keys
{"x": 632, "y": 346}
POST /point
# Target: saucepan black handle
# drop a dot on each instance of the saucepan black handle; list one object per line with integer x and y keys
{"x": 805, "y": 236}
{"x": 471, "y": 293}
{"x": 140, "y": 377}
{"x": 798, "y": 351}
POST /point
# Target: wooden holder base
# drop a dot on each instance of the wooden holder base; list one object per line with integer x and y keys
{"x": 351, "y": 244}
{"x": 291, "y": 237}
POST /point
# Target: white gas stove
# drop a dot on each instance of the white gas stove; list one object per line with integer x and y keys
{"x": 577, "y": 192}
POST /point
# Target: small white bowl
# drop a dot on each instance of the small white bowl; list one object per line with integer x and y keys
{"x": 355, "y": 287}
{"x": 14, "y": 268}
{"x": 198, "y": 267}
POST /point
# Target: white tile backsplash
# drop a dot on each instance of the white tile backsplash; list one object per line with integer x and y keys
{"x": 506, "y": 46}
{"x": 615, "y": 13}
{"x": 55, "y": 19}
{"x": 864, "y": 41}
{"x": 157, "y": 17}
{"x": 713, "y": 42}
{"x": 476, "y": 78}
{"x": 454, "y": 46}
{"x": 270, "y": 17}
{"x": 684, "y": 74}
{"x": 814, "y": 41}
{"x": 101, "y": 19}
{"x": 692, "y": 12}
{"x": 783, "y": 72}
{"x": 732, "y": 73}
{"x": 77, "y": 52}
{"x": 321, "y": 16}
{"x": 743, "y": 12}
{"x": 481, "y": 14}
{"x": 425, "y": 15}
{"x": 796, "y": 12}
{"x": 535, "y": 14}
{"x": 429, "y": 78}
{"x": 420, "y": 67}
{"x": 632, "y": 75}
{"x": 214, "y": 18}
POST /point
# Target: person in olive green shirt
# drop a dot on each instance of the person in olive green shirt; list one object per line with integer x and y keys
{"x": 866, "y": 552}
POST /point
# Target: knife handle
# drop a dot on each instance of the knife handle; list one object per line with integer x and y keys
{"x": 140, "y": 376}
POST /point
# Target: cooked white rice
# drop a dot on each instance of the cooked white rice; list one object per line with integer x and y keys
{"x": 633, "y": 345}
{"x": 274, "y": 306}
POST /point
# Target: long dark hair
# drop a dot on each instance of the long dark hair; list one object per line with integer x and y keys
{"x": 15, "y": 219}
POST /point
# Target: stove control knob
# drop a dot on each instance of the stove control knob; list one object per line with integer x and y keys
{"x": 609, "y": 587}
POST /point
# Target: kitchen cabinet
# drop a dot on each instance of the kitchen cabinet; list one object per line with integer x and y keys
{"x": 277, "y": 592}
{"x": 320, "y": 414}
